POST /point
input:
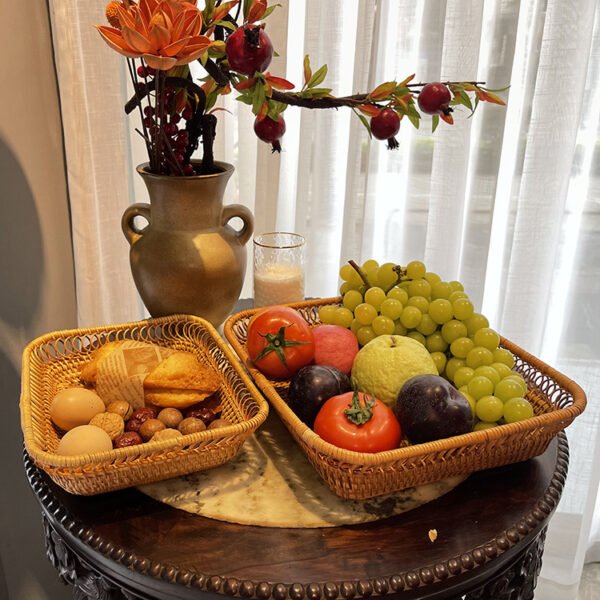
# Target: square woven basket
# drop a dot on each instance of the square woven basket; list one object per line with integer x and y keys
{"x": 53, "y": 361}
{"x": 353, "y": 475}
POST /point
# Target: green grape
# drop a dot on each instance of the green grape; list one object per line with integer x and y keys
{"x": 441, "y": 289}
{"x": 481, "y": 386}
{"x": 419, "y": 287}
{"x": 415, "y": 335}
{"x": 453, "y": 329}
{"x": 399, "y": 294}
{"x": 452, "y": 366}
{"x": 373, "y": 277}
{"x": 346, "y": 287}
{"x": 479, "y": 356}
{"x": 391, "y": 308}
{"x": 369, "y": 265}
{"x": 326, "y": 314}
{"x": 456, "y": 295}
{"x": 415, "y": 269}
{"x": 365, "y": 313}
{"x": 462, "y": 376}
{"x": 436, "y": 343}
{"x": 427, "y": 326}
{"x": 404, "y": 285}
{"x": 489, "y": 372}
{"x": 475, "y": 323}
{"x": 517, "y": 409}
{"x": 483, "y": 425}
{"x": 504, "y": 356}
{"x": 472, "y": 402}
{"x": 439, "y": 358}
{"x": 440, "y": 311}
{"x": 502, "y": 369}
{"x": 375, "y": 296}
{"x": 463, "y": 389}
{"x": 463, "y": 308}
{"x": 457, "y": 286}
{"x": 433, "y": 278}
{"x": 487, "y": 338}
{"x": 508, "y": 388}
{"x": 399, "y": 328}
{"x": 343, "y": 317}
{"x": 387, "y": 276}
{"x": 355, "y": 326}
{"x": 421, "y": 303}
{"x": 349, "y": 274}
{"x": 489, "y": 409}
{"x": 352, "y": 299}
{"x": 383, "y": 325}
{"x": 411, "y": 317}
{"x": 516, "y": 377}
{"x": 461, "y": 347}
{"x": 365, "y": 334}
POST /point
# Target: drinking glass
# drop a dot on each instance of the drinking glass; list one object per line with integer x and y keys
{"x": 278, "y": 268}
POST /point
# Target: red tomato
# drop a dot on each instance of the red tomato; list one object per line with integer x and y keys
{"x": 336, "y": 423}
{"x": 280, "y": 342}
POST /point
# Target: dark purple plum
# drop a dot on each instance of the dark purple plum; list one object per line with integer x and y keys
{"x": 311, "y": 387}
{"x": 431, "y": 408}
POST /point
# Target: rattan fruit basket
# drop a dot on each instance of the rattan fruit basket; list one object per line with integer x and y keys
{"x": 556, "y": 399}
{"x": 53, "y": 362}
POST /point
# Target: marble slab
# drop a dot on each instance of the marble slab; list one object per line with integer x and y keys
{"x": 272, "y": 484}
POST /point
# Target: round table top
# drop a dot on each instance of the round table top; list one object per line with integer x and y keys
{"x": 481, "y": 525}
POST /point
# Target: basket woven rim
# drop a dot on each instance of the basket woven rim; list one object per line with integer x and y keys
{"x": 52, "y": 459}
{"x": 309, "y": 437}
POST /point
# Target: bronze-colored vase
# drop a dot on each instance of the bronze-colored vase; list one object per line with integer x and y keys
{"x": 188, "y": 259}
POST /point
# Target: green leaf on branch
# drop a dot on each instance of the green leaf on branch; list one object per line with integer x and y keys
{"x": 383, "y": 91}
{"x": 258, "y": 97}
{"x": 364, "y": 121}
{"x": 209, "y": 7}
{"x": 318, "y": 77}
{"x": 314, "y": 93}
{"x": 226, "y": 24}
{"x": 435, "y": 121}
{"x": 307, "y": 70}
{"x": 270, "y": 10}
{"x": 275, "y": 109}
{"x": 246, "y": 8}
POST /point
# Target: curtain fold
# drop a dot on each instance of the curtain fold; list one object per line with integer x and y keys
{"x": 507, "y": 201}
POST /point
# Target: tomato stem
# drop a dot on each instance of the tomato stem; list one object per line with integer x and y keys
{"x": 357, "y": 413}
{"x": 276, "y": 342}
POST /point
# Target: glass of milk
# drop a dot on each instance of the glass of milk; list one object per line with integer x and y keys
{"x": 278, "y": 268}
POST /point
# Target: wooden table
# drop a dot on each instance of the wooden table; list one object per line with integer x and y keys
{"x": 490, "y": 541}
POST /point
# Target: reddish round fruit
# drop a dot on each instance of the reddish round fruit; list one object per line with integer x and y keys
{"x": 268, "y": 130}
{"x": 386, "y": 124}
{"x": 336, "y": 425}
{"x": 335, "y": 346}
{"x": 249, "y": 49}
{"x": 434, "y": 99}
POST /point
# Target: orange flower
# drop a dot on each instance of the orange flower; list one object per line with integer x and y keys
{"x": 165, "y": 33}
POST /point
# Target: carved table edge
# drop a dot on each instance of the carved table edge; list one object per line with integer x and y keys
{"x": 263, "y": 590}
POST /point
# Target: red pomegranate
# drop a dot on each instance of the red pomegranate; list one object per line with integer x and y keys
{"x": 270, "y": 131}
{"x": 434, "y": 99}
{"x": 386, "y": 124}
{"x": 249, "y": 49}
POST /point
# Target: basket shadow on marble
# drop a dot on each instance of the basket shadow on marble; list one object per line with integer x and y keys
{"x": 556, "y": 400}
{"x": 53, "y": 362}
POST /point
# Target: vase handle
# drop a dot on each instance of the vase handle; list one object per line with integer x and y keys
{"x": 135, "y": 210}
{"x": 239, "y": 210}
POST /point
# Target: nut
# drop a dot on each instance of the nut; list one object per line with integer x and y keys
{"x": 166, "y": 434}
{"x": 111, "y": 423}
{"x": 171, "y": 417}
{"x": 133, "y": 425}
{"x": 129, "y": 438}
{"x": 218, "y": 423}
{"x": 121, "y": 408}
{"x": 145, "y": 413}
{"x": 150, "y": 427}
{"x": 191, "y": 425}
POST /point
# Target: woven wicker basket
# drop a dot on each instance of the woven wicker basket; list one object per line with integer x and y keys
{"x": 556, "y": 400}
{"x": 52, "y": 362}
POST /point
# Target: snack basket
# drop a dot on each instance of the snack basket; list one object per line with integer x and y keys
{"x": 53, "y": 361}
{"x": 353, "y": 475}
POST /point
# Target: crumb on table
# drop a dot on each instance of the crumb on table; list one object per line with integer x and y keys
{"x": 432, "y": 535}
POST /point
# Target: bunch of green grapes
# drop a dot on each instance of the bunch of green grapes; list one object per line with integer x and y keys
{"x": 410, "y": 301}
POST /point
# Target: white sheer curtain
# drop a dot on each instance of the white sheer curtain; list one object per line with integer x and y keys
{"x": 507, "y": 201}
